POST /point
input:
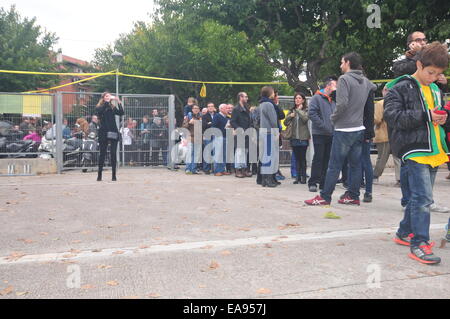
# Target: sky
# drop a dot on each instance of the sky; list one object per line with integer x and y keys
{"x": 78, "y": 35}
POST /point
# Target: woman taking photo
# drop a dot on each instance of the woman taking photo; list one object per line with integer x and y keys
{"x": 108, "y": 133}
{"x": 298, "y": 132}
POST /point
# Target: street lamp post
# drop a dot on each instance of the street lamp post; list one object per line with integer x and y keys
{"x": 118, "y": 57}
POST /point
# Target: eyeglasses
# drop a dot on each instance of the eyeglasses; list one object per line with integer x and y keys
{"x": 420, "y": 40}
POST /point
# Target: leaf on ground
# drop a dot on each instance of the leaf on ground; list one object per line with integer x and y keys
{"x": 201, "y": 286}
{"x": 76, "y": 241}
{"x": 15, "y": 255}
{"x": 6, "y": 291}
{"x": 43, "y": 233}
{"x": 225, "y": 253}
{"x": 21, "y": 293}
{"x": 331, "y": 215}
{"x": 214, "y": 265}
{"x": 104, "y": 267}
{"x": 119, "y": 252}
{"x": 143, "y": 247}
{"x": 263, "y": 291}
{"x": 26, "y": 241}
{"x": 154, "y": 295}
{"x": 268, "y": 245}
{"x": 340, "y": 244}
{"x": 412, "y": 276}
{"x": 96, "y": 250}
{"x": 75, "y": 251}
{"x": 88, "y": 286}
{"x": 86, "y": 232}
{"x": 69, "y": 255}
{"x": 112, "y": 283}
{"x": 180, "y": 241}
{"x": 289, "y": 225}
{"x": 131, "y": 297}
{"x": 207, "y": 247}
{"x": 244, "y": 229}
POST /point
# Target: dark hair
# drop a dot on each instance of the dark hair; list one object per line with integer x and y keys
{"x": 239, "y": 95}
{"x": 355, "y": 60}
{"x": 267, "y": 91}
{"x": 434, "y": 54}
{"x": 409, "y": 39}
{"x": 328, "y": 80}
{"x": 305, "y": 104}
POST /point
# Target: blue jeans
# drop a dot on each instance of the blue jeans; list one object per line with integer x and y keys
{"x": 366, "y": 167}
{"x": 206, "y": 165}
{"x": 191, "y": 164}
{"x": 219, "y": 155}
{"x": 416, "y": 220}
{"x": 345, "y": 145}
{"x": 293, "y": 165}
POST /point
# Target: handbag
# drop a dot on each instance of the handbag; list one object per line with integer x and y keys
{"x": 288, "y": 131}
{"x": 112, "y": 135}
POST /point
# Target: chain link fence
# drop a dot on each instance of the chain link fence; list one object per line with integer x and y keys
{"x": 64, "y": 126}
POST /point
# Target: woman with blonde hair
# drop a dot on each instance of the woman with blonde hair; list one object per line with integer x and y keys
{"x": 108, "y": 133}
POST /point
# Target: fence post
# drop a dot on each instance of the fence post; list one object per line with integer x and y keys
{"x": 170, "y": 160}
{"x": 59, "y": 141}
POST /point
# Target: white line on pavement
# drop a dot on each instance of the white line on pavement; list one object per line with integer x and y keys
{"x": 110, "y": 252}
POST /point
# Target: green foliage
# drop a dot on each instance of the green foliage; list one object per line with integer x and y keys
{"x": 308, "y": 37}
{"x": 23, "y": 46}
{"x": 186, "y": 49}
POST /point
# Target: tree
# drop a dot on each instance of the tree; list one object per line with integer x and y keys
{"x": 309, "y": 36}
{"x": 23, "y": 46}
{"x": 187, "y": 49}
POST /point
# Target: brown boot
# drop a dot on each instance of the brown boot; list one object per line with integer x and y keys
{"x": 239, "y": 173}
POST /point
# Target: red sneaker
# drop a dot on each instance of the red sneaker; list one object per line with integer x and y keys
{"x": 347, "y": 200}
{"x": 405, "y": 241}
{"x": 317, "y": 201}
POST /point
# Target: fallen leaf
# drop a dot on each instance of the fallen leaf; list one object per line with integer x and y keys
{"x": 6, "y": 291}
{"x": 131, "y": 297}
{"x": 119, "y": 252}
{"x": 21, "y": 293}
{"x": 340, "y": 244}
{"x": 76, "y": 241}
{"x": 15, "y": 256}
{"x": 86, "y": 232}
{"x": 143, "y": 247}
{"x": 26, "y": 241}
{"x": 201, "y": 286}
{"x": 244, "y": 229}
{"x": 268, "y": 245}
{"x": 112, "y": 283}
{"x": 154, "y": 295}
{"x": 75, "y": 251}
{"x": 69, "y": 255}
{"x": 263, "y": 291}
{"x": 225, "y": 253}
{"x": 331, "y": 215}
{"x": 413, "y": 276}
{"x": 104, "y": 267}
{"x": 214, "y": 265}
{"x": 43, "y": 233}
{"x": 96, "y": 250}
{"x": 207, "y": 247}
{"x": 86, "y": 287}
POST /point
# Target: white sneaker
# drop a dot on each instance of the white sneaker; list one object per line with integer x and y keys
{"x": 439, "y": 209}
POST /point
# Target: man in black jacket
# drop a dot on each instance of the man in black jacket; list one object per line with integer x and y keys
{"x": 207, "y": 120}
{"x": 240, "y": 118}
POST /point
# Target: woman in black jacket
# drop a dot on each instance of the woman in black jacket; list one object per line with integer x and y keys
{"x": 108, "y": 133}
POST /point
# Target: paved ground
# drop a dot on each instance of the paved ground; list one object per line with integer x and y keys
{"x": 163, "y": 234}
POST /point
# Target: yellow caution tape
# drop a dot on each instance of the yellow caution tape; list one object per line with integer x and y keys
{"x": 69, "y": 84}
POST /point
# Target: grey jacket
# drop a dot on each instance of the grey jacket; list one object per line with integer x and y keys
{"x": 320, "y": 110}
{"x": 268, "y": 116}
{"x": 300, "y": 130}
{"x": 352, "y": 91}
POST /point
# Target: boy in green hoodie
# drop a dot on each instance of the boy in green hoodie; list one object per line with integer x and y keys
{"x": 416, "y": 121}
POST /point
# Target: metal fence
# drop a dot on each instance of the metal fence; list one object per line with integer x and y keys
{"x": 64, "y": 126}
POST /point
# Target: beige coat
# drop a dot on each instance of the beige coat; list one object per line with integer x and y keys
{"x": 381, "y": 130}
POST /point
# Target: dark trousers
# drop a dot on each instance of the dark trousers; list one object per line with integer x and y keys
{"x": 145, "y": 154}
{"x": 155, "y": 154}
{"x": 113, "y": 153}
{"x": 322, "y": 150}
{"x": 300, "y": 159}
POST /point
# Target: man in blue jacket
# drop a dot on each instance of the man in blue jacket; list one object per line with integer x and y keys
{"x": 321, "y": 106}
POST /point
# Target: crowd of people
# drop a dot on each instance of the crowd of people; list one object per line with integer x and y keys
{"x": 411, "y": 122}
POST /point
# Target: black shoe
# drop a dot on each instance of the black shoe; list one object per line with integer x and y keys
{"x": 303, "y": 180}
{"x": 267, "y": 181}
{"x": 423, "y": 254}
{"x": 99, "y": 175}
{"x": 367, "y": 198}
{"x": 274, "y": 178}
{"x": 313, "y": 188}
{"x": 207, "y": 172}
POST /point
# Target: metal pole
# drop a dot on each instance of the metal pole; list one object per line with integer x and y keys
{"x": 118, "y": 117}
{"x": 171, "y": 161}
{"x": 59, "y": 141}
